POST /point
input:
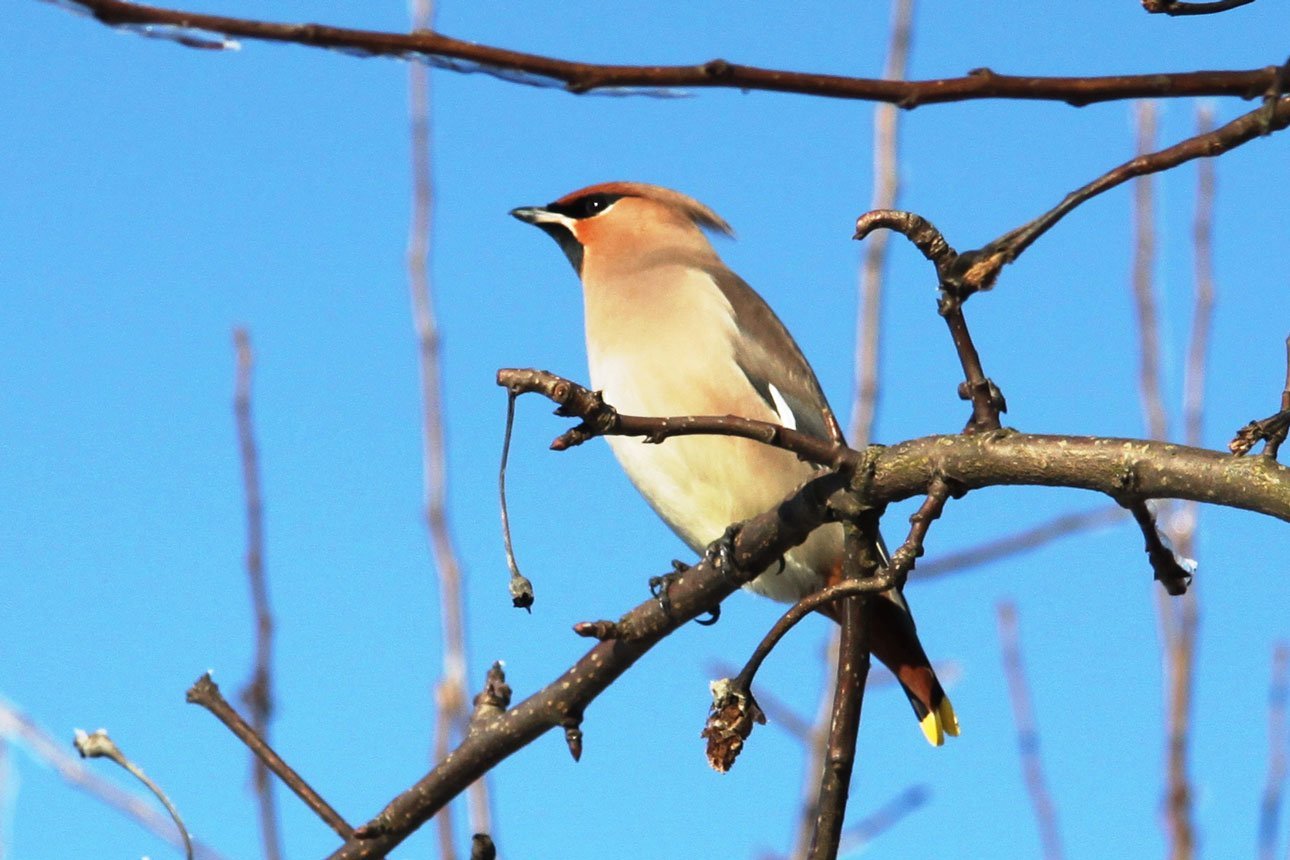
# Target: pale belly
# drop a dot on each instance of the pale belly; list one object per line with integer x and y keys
{"x": 700, "y": 485}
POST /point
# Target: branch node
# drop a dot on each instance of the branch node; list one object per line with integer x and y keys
{"x": 602, "y": 630}
{"x": 717, "y": 69}
{"x": 493, "y": 700}
{"x": 573, "y": 736}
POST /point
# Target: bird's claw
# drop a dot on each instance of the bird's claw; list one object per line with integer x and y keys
{"x": 658, "y": 589}
{"x": 659, "y": 585}
{"x": 721, "y": 552}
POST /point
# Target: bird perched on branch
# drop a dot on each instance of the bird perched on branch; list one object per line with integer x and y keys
{"x": 672, "y": 331}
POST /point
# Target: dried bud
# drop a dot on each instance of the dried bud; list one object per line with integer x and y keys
{"x": 730, "y": 722}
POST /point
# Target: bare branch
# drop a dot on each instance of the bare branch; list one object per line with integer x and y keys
{"x": 601, "y": 419}
{"x": 26, "y": 734}
{"x": 886, "y": 190}
{"x": 257, "y": 695}
{"x": 1180, "y": 7}
{"x": 885, "y": 817}
{"x": 1270, "y": 808}
{"x": 1144, "y": 260}
{"x": 98, "y": 745}
{"x": 1023, "y": 712}
{"x": 450, "y": 692}
{"x": 1271, "y": 430}
{"x": 205, "y": 692}
{"x": 532, "y": 69}
{"x": 1272, "y": 116}
{"x": 1171, "y": 569}
{"x": 861, "y": 565}
{"x": 1116, "y": 467}
{"x": 1063, "y": 525}
{"x": 757, "y": 545}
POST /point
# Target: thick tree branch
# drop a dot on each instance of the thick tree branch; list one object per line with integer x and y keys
{"x": 758, "y": 544}
{"x": 1120, "y": 468}
{"x": 1111, "y": 466}
{"x": 576, "y": 77}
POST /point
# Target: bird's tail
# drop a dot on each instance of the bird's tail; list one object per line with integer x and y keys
{"x": 894, "y": 641}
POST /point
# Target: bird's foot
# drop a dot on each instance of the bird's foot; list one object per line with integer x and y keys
{"x": 721, "y": 552}
{"x": 658, "y": 589}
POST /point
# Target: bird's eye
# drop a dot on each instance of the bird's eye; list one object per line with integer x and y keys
{"x": 594, "y": 204}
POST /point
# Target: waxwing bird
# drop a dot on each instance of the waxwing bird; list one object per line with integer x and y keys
{"x": 672, "y": 331}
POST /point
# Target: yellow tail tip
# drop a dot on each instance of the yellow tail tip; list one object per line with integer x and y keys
{"x": 939, "y": 723}
{"x": 949, "y": 719}
{"x": 932, "y": 730}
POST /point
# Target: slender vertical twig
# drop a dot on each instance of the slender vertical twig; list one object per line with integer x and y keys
{"x": 1270, "y": 808}
{"x": 451, "y": 699}
{"x": 258, "y": 692}
{"x": 817, "y": 746}
{"x": 886, "y": 190}
{"x": 5, "y": 791}
{"x": 1144, "y": 261}
{"x": 1023, "y": 712}
{"x": 1185, "y": 610}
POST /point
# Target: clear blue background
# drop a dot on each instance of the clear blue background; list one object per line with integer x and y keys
{"x": 153, "y": 197}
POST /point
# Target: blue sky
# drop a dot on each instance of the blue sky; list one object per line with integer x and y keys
{"x": 153, "y": 197}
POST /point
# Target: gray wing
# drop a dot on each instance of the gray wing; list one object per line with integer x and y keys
{"x": 773, "y": 362}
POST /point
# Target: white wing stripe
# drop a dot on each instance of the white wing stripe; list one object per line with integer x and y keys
{"x": 782, "y": 409}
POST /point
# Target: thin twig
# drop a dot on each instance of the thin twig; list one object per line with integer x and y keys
{"x": 6, "y": 801}
{"x": 817, "y": 752}
{"x": 1060, "y": 526}
{"x": 886, "y": 191}
{"x": 1272, "y": 116}
{"x": 1202, "y": 323}
{"x": 1270, "y": 807}
{"x": 1144, "y": 300}
{"x": 1272, "y": 430}
{"x": 205, "y": 692}
{"x": 257, "y": 695}
{"x": 1023, "y": 712}
{"x": 521, "y": 589}
{"x": 576, "y": 77}
{"x": 98, "y": 745}
{"x": 450, "y": 692}
{"x": 1171, "y": 569}
{"x": 885, "y": 817}
{"x": 23, "y": 731}
{"x": 1180, "y": 7}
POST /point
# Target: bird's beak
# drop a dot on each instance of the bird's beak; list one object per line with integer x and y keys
{"x": 528, "y": 214}
{"x": 531, "y": 214}
{"x": 559, "y": 227}
{"x": 544, "y": 218}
